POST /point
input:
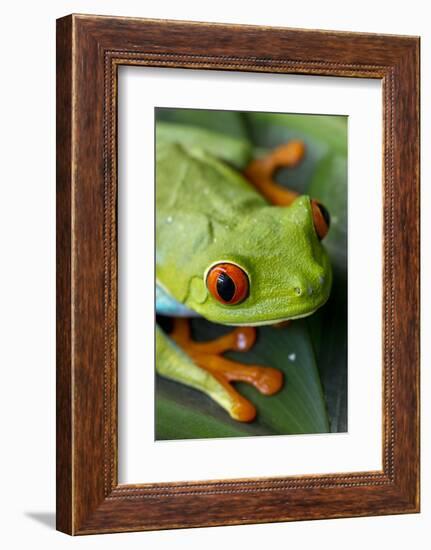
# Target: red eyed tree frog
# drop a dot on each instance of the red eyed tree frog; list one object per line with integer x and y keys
{"x": 236, "y": 248}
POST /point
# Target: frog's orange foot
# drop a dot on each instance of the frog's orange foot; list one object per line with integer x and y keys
{"x": 260, "y": 172}
{"x": 208, "y": 356}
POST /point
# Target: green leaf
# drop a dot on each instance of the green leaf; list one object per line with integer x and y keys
{"x": 300, "y": 406}
{"x": 234, "y": 151}
{"x": 328, "y": 185}
{"x": 332, "y": 355}
{"x": 184, "y": 413}
{"x": 326, "y": 132}
{"x": 229, "y": 123}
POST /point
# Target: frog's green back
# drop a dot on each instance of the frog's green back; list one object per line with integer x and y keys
{"x": 191, "y": 180}
{"x": 195, "y": 195}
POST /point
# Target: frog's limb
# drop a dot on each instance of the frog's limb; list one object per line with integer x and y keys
{"x": 213, "y": 374}
{"x": 172, "y": 362}
{"x": 260, "y": 172}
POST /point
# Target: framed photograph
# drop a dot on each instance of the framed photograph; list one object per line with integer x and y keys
{"x": 237, "y": 274}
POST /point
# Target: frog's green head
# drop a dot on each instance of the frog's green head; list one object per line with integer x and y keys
{"x": 268, "y": 267}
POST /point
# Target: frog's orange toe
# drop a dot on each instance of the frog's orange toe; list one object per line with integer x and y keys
{"x": 260, "y": 172}
{"x": 269, "y": 380}
{"x": 242, "y": 410}
{"x": 244, "y": 338}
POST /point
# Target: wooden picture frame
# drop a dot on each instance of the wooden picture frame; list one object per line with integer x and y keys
{"x": 89, "y": 51}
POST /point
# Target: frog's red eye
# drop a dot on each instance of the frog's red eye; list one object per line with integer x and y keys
{"x": 228, "y": 283}
{"x": 321, "y": 219}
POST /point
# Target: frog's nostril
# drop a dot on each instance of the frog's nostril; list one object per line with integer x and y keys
{"x": 298, "y": 291}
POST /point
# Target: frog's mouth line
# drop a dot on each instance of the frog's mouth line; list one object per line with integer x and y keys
{"x": 273, "y": 321}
